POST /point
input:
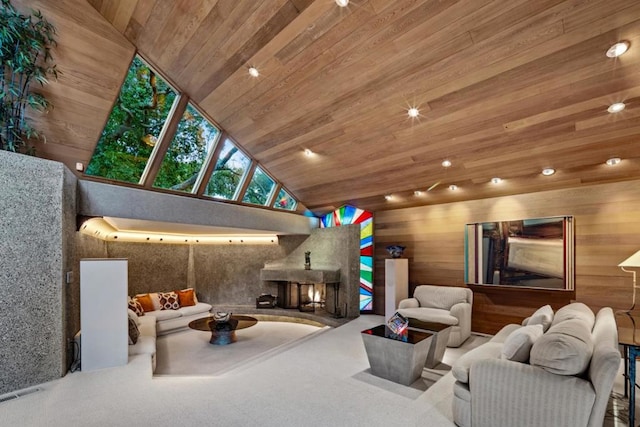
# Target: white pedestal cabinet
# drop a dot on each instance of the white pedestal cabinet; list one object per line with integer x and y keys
{"x": 396, "y": 284}
{"x": 103, "y": 313}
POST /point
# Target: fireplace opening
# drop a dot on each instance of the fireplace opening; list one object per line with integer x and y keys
{"x": 311, "y": 296}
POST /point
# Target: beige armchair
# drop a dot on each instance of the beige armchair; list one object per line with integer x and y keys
{"x": 450, "y": 305}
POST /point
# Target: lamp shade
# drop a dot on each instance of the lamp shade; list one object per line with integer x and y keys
{"x": 632, "y": 261}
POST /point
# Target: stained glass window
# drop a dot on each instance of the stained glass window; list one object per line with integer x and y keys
{"x": 187, "y": 153}
{"x": 134, "y": 125}
{"x": 259, "y": 189}
{"x": 231, "y": 166}
{"x": 350, "y": 215}
{"x": 285, "y": 201}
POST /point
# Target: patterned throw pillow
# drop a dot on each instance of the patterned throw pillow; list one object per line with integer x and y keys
{"x": 134, "y": 332}
{"x": 169, "y": 301}
{"x": 186, "y": 297}
{"x": 136, "y": 307}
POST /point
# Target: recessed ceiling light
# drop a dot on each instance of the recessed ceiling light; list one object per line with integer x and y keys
{"x": 253, "y": 72}
{"x": 413, "y": 112}
{"x": 308, "y": 152}
{"x": 453, "y": 187}
{"x": 613, "y": 161}
{"x": 342, "y": 3}
{"x": 388, "y": 197}
{"x": 616, "y": 108}
{"x": 496, "y": 180}
{"x": 418, "y": 193}
{"x": 548, "y": 171}
{"x": 617, "y": 49}
{"x": 446, "y": 163}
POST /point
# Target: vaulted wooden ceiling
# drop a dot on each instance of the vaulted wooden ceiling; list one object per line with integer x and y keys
{"x": 504, "y": 89}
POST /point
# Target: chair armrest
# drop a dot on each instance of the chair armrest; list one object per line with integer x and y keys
{"x": 504, "y": 393}
{"x": 408, "y": 303}
{"x": 462, "y": 312}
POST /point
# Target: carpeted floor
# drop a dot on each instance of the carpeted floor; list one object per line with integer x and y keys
{"x": 320, "y": 381}
{"x": 189, "y": 352}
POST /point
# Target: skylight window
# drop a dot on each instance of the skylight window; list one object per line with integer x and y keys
{"x": 189, "y": 149}
{"x": 156, "y": 137}
{"x": 231, "y": 167}
{"x": 134, "y": 125}
{"x": 259, "y": 189}
{"x": 285, "y": 201}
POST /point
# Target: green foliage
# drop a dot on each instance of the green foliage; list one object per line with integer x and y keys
{"x": 25, "y": 57}
{"x": 230, "y": 168}
{"x": 259, "y": 189}
{"x": 187, "y": 152}
{"x": 132, "y": 130}
{"x": 133, "y": 126}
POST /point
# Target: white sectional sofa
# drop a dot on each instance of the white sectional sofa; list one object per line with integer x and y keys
{"x": 160, "y": 322}
{"x": 554, "y": 369}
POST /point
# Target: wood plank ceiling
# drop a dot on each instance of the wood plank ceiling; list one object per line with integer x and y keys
{"x": 504, "y": 89}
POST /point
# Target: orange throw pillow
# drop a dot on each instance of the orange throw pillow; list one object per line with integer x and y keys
{"x": 186, "y": 297}
{"x": 146, "y": 302}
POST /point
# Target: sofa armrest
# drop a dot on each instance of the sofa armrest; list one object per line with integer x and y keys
{"x": 462, "y": 312}
{"x": 408, "y": 303}
{"x": 506, "y": 393}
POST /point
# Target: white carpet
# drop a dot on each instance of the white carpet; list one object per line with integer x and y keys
{"x": 189, "y": 352}
{"x": 313, "y": 383}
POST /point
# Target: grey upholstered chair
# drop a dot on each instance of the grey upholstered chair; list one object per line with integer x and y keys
{"x": 450, "y": 305}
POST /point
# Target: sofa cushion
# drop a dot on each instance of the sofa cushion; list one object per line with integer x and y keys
{"x": 575, "y": 310}
{"x": 518, "y": 344}
{"x": 187, "y": 297}
{"x": 147, "y": 326}
{"x": 565, "y": 349}
{"x": 442, "y": 297}
{"x": 504, "y": 333}
{"x": 134, "y": 316}
{"x": 542, "y": 316}
{"x": 161, "y": 315}
{"x": 461, "y": 367}
{"x": 201, "y": 307}
{"x": 429, "y": 315}
{"x": 146, "y": 345}
{"x": 134, "y": 333}
{"x": 168, "y": 301}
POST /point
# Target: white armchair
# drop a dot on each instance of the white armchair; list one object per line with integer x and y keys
{"x": 450, "y": 305}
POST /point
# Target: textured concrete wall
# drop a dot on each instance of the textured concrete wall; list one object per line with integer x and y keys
{"x": 230, "y": 274}
{"x": 330, "y": 247}
{"x": 37, "y": 202}
{"x": 220, "y": 274}
{"x": 99, "y": 199}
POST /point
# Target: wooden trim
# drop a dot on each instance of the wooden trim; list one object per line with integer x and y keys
{"x": 166, "y": 136}
{"x": 204, "y": 178}
{"x": 248, "y": 176}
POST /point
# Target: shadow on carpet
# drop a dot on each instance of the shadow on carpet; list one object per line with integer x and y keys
{"x": 189, "y": 352}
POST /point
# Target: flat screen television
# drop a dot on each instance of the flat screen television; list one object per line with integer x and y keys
{"x": 531, "y": 253}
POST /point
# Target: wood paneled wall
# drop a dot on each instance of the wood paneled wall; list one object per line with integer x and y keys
{"x": 607, "y": 231}
{"x": 93, "y": 58}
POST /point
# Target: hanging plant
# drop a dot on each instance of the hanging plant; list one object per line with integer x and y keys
{"x": 25, "y": 57}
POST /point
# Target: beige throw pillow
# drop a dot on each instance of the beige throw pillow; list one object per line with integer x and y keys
{"x": 565, "y": 349}
{"x": 542, "y": 316}
{"x": 518, "y": 344}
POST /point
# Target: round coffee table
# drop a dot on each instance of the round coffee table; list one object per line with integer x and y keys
{"x": 223, "y": 333}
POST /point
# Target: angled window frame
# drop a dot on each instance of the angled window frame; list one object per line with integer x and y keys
{"x": 207, "y": 158}
{"x": 165, "y": 138}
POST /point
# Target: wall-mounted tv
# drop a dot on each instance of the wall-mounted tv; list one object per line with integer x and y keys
{"x": 531, "y": 253}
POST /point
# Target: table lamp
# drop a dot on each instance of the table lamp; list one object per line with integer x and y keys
{"x": 633, "y": 262}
